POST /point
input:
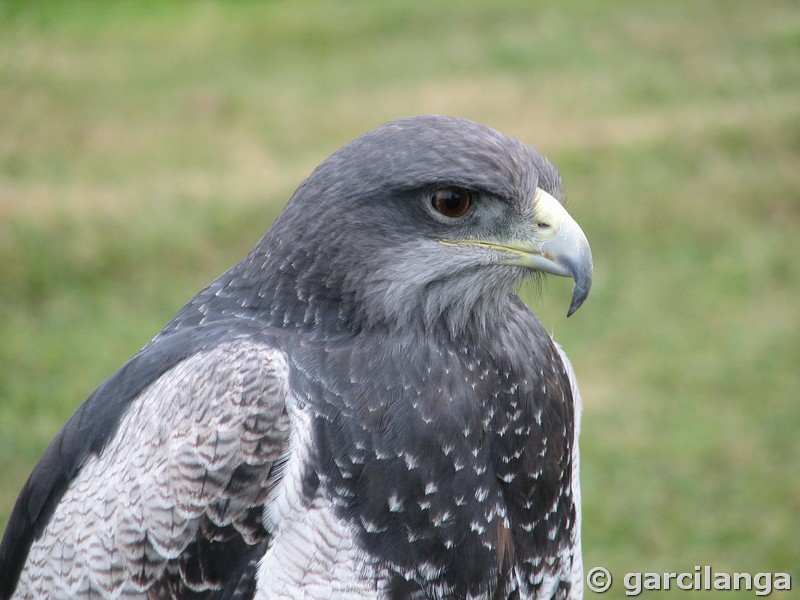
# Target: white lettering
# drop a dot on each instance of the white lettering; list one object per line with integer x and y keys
{"x": 687, "y": 581}
{"x": 667, "y": 578}
{"x": 722, "y": 581}
{"x": 633, "y": 584}
{"x": 652, "y": 581}
{"x": 737, "y": 580}
{"x": 782, "y": 582}
{"x": 763, "y": 584}
{"x": 705, "y": 578}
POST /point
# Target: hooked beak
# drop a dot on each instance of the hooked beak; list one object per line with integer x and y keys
{"x": 560, "y": 247}
{"x": 557, "y": 245}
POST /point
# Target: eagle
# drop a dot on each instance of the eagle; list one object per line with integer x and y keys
{"x": 362, "y": 407}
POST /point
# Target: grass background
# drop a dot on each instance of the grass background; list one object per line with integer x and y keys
{"x": 146, "y": 146}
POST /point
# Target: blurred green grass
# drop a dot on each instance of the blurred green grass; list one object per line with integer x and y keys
{"x": 146, "y": 146}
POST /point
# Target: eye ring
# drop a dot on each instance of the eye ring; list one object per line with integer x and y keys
{"x": 452, "y": 202}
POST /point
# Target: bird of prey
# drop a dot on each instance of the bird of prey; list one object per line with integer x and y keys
{"x": 361, "y": 408}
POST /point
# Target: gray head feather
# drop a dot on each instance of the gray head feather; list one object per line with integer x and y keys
{"x": 355, "y": 246}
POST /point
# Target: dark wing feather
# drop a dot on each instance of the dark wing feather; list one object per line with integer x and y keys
{"x": 86, "y": 433}
{"x": 159, "y": 475}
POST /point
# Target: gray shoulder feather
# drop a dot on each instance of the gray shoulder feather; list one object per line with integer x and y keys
{"x": 197, "y": 451}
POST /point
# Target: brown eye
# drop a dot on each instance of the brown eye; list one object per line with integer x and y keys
{"x": 451, "y": 202}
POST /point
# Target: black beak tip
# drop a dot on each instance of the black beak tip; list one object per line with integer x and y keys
{"x": 583, "y": 283}
{"x": 577, "y": 300}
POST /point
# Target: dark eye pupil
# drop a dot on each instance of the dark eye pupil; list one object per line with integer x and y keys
{"x": 452, "y": 202}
